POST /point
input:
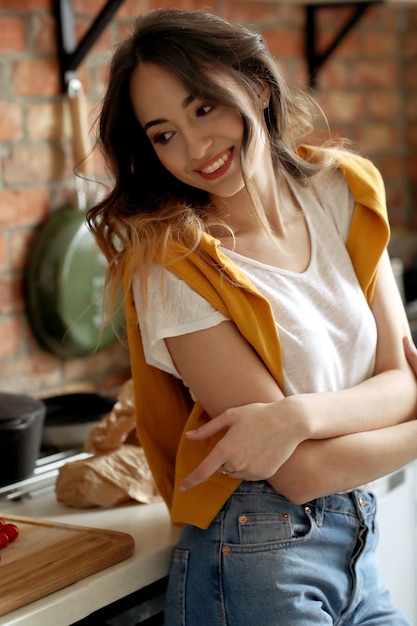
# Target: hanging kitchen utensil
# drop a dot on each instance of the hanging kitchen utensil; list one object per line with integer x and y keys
{"x": 66, "y": 270}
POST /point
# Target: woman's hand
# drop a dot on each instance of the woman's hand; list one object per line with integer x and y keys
{"x": 411, "y": 353}
{"x": 255, "y": 444}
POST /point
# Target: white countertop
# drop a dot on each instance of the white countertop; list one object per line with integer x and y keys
{"x": 154, "y": 537}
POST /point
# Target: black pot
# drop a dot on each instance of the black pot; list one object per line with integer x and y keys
{"x": 21, "y": 423}
{"x": 70, "y": 418}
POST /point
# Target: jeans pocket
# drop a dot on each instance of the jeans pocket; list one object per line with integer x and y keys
{"x": 266, "y": 529}
{"x": 175, "y": 595}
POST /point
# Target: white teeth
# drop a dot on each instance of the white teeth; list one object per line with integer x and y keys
{"x": 215, "y": 166}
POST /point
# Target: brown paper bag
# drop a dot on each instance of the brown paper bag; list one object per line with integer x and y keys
{"x": 118, "y": 470}
{"x": 117, "y": 427}
{"x": 107, "y": 479}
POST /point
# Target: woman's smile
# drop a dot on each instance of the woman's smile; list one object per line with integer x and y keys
{"x": 218, "y": 166}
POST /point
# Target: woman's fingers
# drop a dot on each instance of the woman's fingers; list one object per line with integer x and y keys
{"x": 254, "y": 443}
{"x": 213, "y": 427}
{"x": 411, "y": 353}
{"x": 211, "y": 464}
{"x": 215, "y": 459}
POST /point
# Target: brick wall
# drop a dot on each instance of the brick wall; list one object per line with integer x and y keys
{"x": 368, "y": 89}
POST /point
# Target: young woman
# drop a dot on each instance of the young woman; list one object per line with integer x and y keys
{"x": 264, "y": 324}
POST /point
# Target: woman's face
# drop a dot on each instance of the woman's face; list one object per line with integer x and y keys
{"x": 199, "y": 143}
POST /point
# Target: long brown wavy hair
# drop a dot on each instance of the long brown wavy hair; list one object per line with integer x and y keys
{"x": 147, "y": 207}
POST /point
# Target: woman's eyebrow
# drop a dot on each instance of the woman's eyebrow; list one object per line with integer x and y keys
{"x": 161, "y": 120}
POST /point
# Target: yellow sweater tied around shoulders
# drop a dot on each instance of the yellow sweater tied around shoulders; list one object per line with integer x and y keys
{"x": 164, "y": 409}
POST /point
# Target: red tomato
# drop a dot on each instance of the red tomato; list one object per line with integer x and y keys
{"x": 4, "y": 540}
{"x": 11, "y": 531}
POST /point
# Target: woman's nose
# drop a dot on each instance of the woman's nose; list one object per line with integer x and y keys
{"x": 198, "y": 144}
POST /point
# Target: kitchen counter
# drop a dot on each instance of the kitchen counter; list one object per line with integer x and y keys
{"x": 154, "y": 537}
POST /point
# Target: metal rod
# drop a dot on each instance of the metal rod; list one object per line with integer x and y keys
{"x": 45, "y": 474}
{"x": 92, "y": 34}
{"x": 71, "y": 54}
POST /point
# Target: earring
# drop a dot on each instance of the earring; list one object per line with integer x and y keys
{"x": 265, "y": 104}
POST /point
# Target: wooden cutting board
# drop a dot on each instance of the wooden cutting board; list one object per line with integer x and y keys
{"x": 48, "y": 556}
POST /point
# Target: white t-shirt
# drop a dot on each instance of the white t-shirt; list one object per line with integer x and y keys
{"x": 327, "y": 331}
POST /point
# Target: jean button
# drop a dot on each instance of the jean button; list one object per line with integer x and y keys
{"x": 307, "y": 510}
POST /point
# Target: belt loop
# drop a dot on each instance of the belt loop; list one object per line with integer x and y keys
{"x": 318, "y": 509}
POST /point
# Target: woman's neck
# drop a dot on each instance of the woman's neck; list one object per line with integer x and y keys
{"x": 274, "y": 201}
{"x": 286, "y": 245}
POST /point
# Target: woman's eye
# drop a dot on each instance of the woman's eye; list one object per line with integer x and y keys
{"x": 163, "y": 137}
{"x": 204, "y": 110}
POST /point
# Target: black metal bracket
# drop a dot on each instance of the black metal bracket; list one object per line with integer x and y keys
{"x": 315, "y": 59}
{"x": 71, "y": 53}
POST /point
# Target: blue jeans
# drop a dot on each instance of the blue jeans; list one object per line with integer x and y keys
{"x": 267, "y": 562}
